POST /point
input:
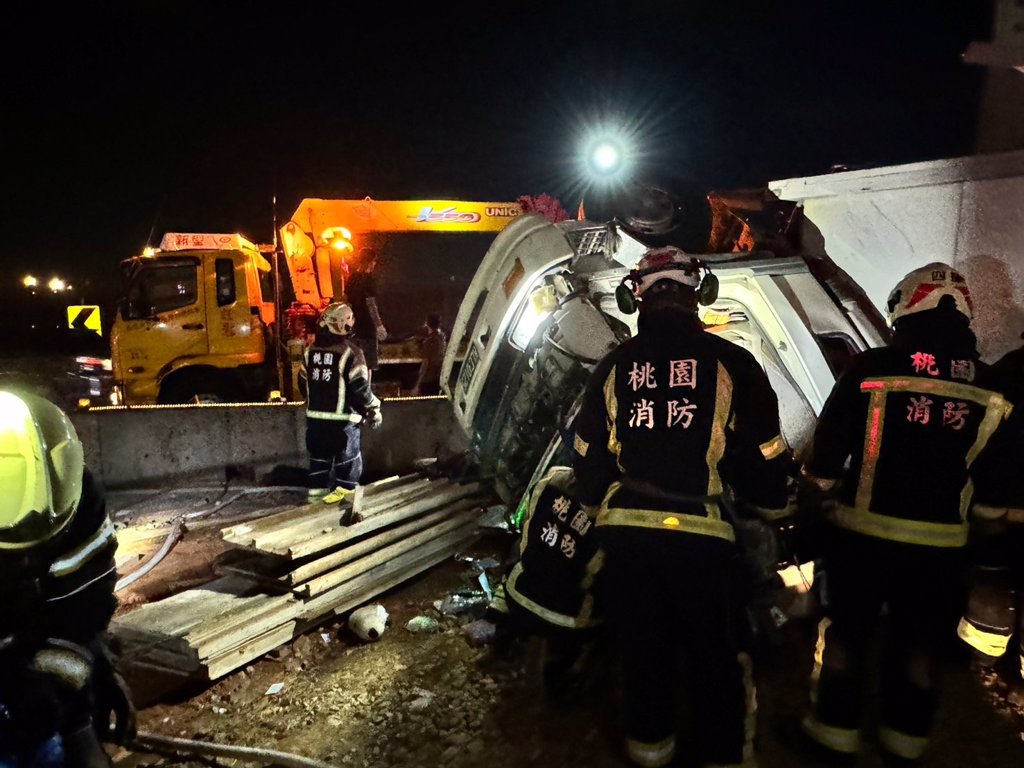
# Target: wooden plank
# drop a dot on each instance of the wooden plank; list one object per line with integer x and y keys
{"x": 397, "y": 495}
{"x": 355, "y": 531}
{"x": 240, "y": 655}
{"x": 351, "y": 552}
{"x": 339, "y": 601}
{"x": 389, "y": 483}
{"x": 332, "y": 579}
{"x": 323, "y": 523}
{"x": 271, "y": 522}
{"x": 340, "y": 536}
{"x": 325, "y": 520}
{"x": 177, "y": 614}
{"x": 172, "y": 652}
{"x": 265, "y": 570}
{"x": 274, "y": 611}
{"x": 382, "y": 578}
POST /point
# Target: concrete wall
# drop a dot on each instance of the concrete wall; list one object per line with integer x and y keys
{"x": 878, "y": 224}
{"x": 163, "y": 446}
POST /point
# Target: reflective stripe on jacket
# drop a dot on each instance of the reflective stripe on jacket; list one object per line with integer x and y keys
{"x": 559, "y": 559}
{"x": 685, "y": 412}
{"x": 900, "y": 431}
{"x": 337, "y": 381}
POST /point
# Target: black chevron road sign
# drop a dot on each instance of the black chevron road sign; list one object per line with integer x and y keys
{"x": 85, "y": 317}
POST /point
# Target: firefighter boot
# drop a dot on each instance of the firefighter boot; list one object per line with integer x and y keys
{"x": 339, "y": 495}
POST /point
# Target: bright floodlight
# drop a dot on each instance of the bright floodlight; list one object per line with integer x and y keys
{"x": 56, "y": 284}
{"x": 607, "y": 154}
{"x": 606, "y": 157}
{"x": 30, "y": 282}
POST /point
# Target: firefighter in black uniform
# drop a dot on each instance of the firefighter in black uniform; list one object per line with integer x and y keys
{"x": 995, "y": 609}
{"x": 553, "y": 589}
{"x": 889, "y": 472}
{"x": 58, "y": 680}
{"x": 339, "y": 398}
{"x": 672, "y": 419}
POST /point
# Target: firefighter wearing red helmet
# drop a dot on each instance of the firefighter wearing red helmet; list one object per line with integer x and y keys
{"x": 889, "y": 471}
{"x": 58, "y": 680}
{"x": 674, "y": 424}
{"x": 338, "y": 400}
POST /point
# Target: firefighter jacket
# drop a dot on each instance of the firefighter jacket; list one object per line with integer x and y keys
{"x": 669, "y": 420}
{"x": 58, "y": 601}
{"x": 337, "y": 380}
{"x": 997, "y": 590}
{"x": 907, "y": 422}
{"x": 559, "y": 559}
{"x": 998, "y": 481}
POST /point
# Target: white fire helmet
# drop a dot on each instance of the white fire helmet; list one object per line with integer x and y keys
{"x": 922, "y": 289}
{"x": 338, "y": 318}
{"x": 666, "y": 263}
{"x": 41, "y": 468}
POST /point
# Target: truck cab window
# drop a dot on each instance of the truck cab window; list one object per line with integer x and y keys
{"x": 161, "y": 289}
{"x": 839, "y": 349}
{"x": 225, "y": 269}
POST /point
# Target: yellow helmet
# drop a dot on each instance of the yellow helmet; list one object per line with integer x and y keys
{"x": 41, "y": 466}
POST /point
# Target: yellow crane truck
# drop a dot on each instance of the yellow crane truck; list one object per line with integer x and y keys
{"x": 213, "y": 318}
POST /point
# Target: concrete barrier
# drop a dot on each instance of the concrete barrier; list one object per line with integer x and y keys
{"x": 166, "y": 445}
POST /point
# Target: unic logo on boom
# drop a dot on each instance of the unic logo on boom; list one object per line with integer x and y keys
{"x": 503, "y": 210}
{"x": 428, "y": 214}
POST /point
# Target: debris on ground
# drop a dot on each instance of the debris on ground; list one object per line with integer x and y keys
{"x": 422, "y": 624}
{"x": 286, "y": 573}
{"x": 369, "y": 622}
{"x": 479, "y": 632}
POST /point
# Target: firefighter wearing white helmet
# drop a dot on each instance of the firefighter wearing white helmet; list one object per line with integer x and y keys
{"x": 338, "y": 400}
{"x": 677, "y": 427}
{"x": 57, "y": 578}
{"x": 889, "y": 474}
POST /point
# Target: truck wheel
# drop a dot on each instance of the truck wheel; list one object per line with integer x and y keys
{"x": 195, "y": 388}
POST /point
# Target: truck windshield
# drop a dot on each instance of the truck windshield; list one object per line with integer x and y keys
{"x": 160, "y": 288}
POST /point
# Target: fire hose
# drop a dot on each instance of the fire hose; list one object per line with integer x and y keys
{"x": 178, "y": 529}
{"x": 152, "y": 742}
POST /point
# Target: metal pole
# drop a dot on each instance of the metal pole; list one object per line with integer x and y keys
{"x": 278, "y": 319}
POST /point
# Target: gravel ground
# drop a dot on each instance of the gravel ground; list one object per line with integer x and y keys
{"x": 435, "y": 699}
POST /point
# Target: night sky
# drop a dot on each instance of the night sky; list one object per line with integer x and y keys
{"x": 126, "y": 120}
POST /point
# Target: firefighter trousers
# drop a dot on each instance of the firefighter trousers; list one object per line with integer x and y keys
{"x": 335, "y": 453}
{"x": 907, "y": 598}
{"x": 995, "y": 605}
{"x": 675, "y": 608}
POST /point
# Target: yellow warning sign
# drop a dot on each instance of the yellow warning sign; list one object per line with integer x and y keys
{"x": 85, "y": 316}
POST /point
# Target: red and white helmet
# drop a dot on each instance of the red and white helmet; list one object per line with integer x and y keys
{"x": 923, "y": 289}
{"x": 338, "y": 318}
{"x": 665, "y": 263}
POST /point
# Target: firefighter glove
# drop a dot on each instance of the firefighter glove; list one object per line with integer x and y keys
{"x": 115, "y": 712}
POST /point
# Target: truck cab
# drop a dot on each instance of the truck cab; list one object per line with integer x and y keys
{"x": 192, "y": 324}
{"x": 541, "y": 313}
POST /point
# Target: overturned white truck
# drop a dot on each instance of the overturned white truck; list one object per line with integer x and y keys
{"x": 541, "y": 312}
{"x": 807, "y": 294}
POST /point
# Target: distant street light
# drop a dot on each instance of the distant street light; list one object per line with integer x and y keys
{"x": 30, "y": 282}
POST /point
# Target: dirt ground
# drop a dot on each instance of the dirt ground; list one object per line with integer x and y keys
{"x": 425, "y": 699}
